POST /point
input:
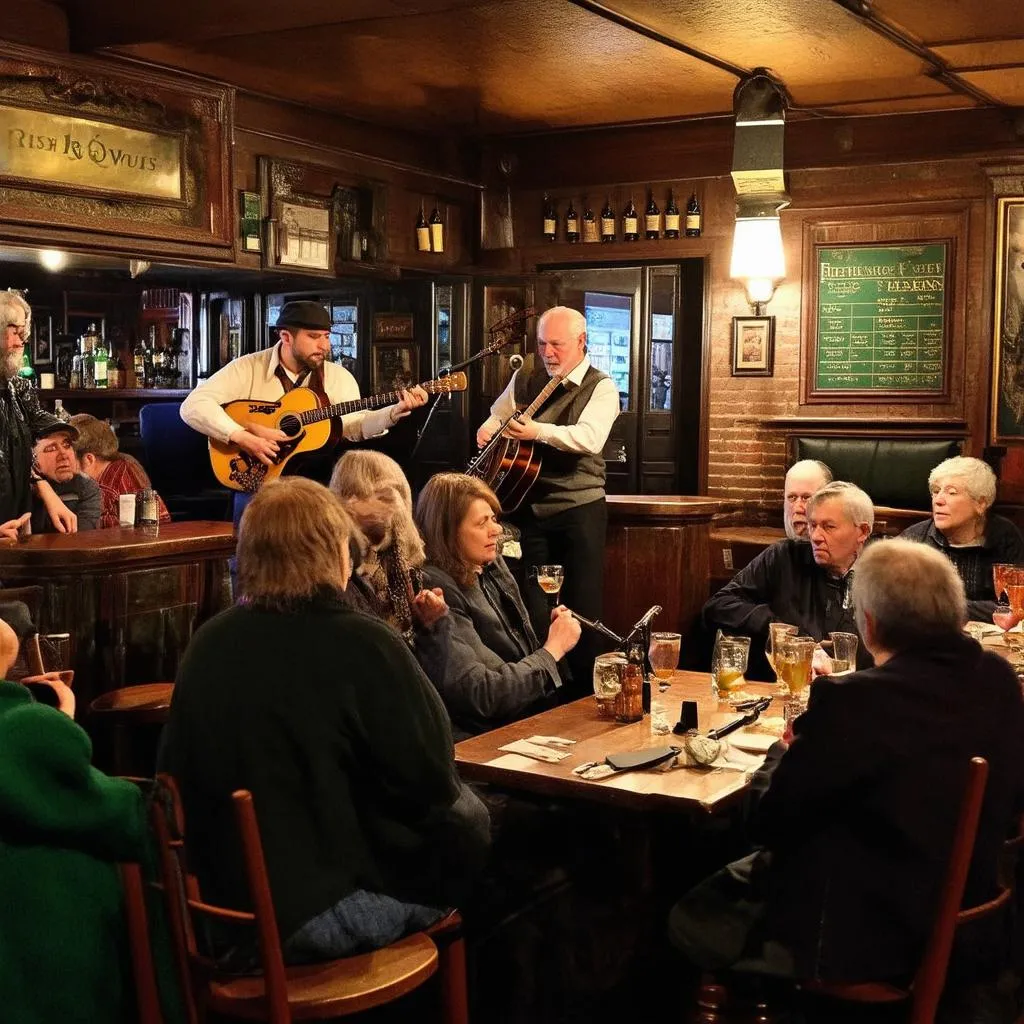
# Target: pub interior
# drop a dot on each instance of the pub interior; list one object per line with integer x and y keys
{"x": 793, "y": 234}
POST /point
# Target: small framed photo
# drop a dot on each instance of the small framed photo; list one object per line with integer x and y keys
{"x": 753, "y": 346}
{"x": 305, "y": 234}
{"x": 395, "y": 365}
{"x": 392, "y": 327}
{"x": 42, "y": 338}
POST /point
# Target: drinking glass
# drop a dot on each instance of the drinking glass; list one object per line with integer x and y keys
{"x": 1003, "y": 616}
{"x": 664, "y": 654}
{"x": 608, "y": 672}
{"x": 549, "y": 579}
{"x": 844, "y": 657}
{"x": 729, "y": 663}
{"x": 793, "y": 658}
{"x": 776, "y": 632}
{"x": 1014, "y": 586}
{"x": 56, "y": 651}
{"x": 1000, "y": 574}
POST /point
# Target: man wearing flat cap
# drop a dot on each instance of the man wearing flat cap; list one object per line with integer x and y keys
{"x": 299, "y": 359}
{"x": 54, "y": 460}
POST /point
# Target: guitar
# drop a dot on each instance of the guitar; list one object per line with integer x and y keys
{"x": 508, "y": 466}
{"x": 306, "y": 423}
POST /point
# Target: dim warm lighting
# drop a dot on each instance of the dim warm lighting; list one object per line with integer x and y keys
{"x": 757, "y": 256}
{"x": 52, "y": 259}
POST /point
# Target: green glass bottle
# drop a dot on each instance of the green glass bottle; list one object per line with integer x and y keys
{"x": 25, "y": 371}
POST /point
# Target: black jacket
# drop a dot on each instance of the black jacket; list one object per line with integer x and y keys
{"x": 21, "y": 420}
{"x": 859, "y": 813}
{"x": 82, "y": 496}
{"x": 782, "y": 584}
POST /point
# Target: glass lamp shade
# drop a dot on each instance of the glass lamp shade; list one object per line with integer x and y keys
{"x": 757, "y": 256}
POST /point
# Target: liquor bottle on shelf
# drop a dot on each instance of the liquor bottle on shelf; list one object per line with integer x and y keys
{"x": 139, "y": 363}
{"x": 100, "y": 360}
{"x": 422, "y": 232}
{"x": 671, "y": 217}
{"x": 436, "y": 231}
{"x": 550, "y": 219}
{"x": 75, "y": 380}
{"x": 608, "y": 222}
{"x": 693, "y": 217}
{"x": 630, "y": 222}
{"x": 589, "y": 224}
{"x": 572, "y": 224}
{"x": 25, "y": 371}
{"x": 88, "y": 362}
{"x": 652, "y": 219}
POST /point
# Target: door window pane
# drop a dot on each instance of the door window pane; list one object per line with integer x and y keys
{"x": 443, "y": 307}
{"x": 609, "y": 336}
{"x": 663, "y": 324}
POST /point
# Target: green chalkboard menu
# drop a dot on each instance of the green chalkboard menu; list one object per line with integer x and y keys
{"x": 881, "y": 319}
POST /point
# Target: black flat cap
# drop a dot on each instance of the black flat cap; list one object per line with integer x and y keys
{"x": 310, "y": 315}
{"x": 57, "y": 426}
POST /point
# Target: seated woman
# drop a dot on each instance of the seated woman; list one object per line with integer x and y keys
{"x": 388, "y": 580}
{"x": 963, "y": 490}
{"x": 497, "y": 670}
{"x": 114, "y": 471}
{"x": 324, "y": 714}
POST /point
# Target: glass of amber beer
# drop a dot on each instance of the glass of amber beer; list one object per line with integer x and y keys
{"x": 664, "y": 654}
{"x": 793, "y": 658}
{"x": 777, "y": 631}
{"x": 1000, "y": 577}
{"x": 549, "y": 579}
{"x": 729, "y": 663}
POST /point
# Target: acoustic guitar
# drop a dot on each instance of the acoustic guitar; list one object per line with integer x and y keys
{"x": 510, "y": 467}
{"x": 306, "y": 423}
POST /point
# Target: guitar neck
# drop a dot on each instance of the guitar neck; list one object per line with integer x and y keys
{"x": 546, "y": 392}
{"x": 329, "y": 412}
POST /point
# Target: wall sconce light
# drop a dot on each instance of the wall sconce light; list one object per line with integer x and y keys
{"x": 52, "y": 259}
{"x": 757, "y": 255}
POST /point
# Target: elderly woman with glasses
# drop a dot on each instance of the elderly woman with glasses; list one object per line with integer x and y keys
{"x": 22, "y": 421}
{"x": 961, "y": 527}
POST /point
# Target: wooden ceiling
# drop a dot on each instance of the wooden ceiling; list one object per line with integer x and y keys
{"x": 509, "y": 66}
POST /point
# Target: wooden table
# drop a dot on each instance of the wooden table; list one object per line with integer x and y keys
{"x": 479, "y": 759}
{"x": 130, "y": 598}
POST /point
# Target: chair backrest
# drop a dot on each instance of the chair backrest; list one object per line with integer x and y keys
{"x": 176, "y": 457}
{"x": 931, "y": 973}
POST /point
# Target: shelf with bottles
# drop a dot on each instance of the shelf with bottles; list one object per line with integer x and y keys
{"x": 97, "y": 394}
{"x": 620, "y": 220}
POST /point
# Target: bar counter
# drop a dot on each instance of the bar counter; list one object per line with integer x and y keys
{"x": 130, "y": 598}
{"x": 658, "y": 552}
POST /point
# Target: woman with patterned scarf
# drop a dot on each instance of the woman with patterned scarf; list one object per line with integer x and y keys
{"x": 388, "y": 579}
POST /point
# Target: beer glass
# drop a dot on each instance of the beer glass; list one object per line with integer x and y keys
{"x": 608, "y": 672}
{"x": 793, "y": 658}
{"x": 728, "y": 664}
{"x": 776, "y": 632}
{"x": 664, "y": 654}
{"x": 1014, "y": 586}
{"x": 1000, "y": 576}
{"x": 844, "y": 657}
{"x": 549, "y": 579}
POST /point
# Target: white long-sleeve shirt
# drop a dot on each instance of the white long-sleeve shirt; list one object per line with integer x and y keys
{"x": 587, "y": 435}
{"x": 253, "y": 376}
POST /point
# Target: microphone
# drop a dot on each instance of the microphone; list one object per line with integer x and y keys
{"x": 515, "y": 361}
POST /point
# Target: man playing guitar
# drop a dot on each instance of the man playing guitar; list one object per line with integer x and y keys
{"x": 298, "y": 359}
{"x": 564, "y": 518}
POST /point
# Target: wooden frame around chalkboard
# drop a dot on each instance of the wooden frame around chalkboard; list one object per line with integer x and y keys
{"x": 897, "y": 233}
{"x": 1007, "y": 420}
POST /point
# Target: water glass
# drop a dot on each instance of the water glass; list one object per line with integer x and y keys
{"x": 844, "y": 657}
{"x": 55, "y": 649}
{"x": 608, "y": 673}
{"x": 664, "y": 654}
{"x": 729, "y": 663}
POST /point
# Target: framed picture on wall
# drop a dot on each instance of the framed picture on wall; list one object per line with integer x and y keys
{"x": 1008, "y": 324}
{"x": 395, "y": 365}
{"x": 753, "y": 346}
{"x": 42, "y": 338}
{"x": 392, "y": 327}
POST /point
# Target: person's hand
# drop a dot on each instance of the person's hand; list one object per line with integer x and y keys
{"x": 63, "y": 519}
{"x": 523, "y": 430}
{"x": 556, "y": 611}
{"x": 483, "y": 436}
{"x": 11, "y": 529}
{"x": 259, "y": 441}
{"x": 408, "y": 400}
{"x": 821, "y": 663}
{"x": 55, "y": 680}
{"x": 428, "y": 606}
{"x": 563, "y": 635}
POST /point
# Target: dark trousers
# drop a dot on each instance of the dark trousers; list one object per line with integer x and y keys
{"x": 574, "y": 539}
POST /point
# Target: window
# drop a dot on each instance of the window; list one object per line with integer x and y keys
{"x": 609, "y": 337}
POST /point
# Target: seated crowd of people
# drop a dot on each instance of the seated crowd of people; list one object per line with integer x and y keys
{"x": 370, "y": 632}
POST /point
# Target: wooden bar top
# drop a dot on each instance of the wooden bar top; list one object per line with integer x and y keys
{"x": 666, "y": 506}
{"x": 480, "y": 759}
{"x": 766, "y": 535}
{"x": 117, "y": 547}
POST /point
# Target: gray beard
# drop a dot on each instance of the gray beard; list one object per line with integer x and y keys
{"x": 10, "y": 364}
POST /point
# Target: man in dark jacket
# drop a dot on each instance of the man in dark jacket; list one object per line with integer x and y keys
{"x": 57, "y": 463}
{"x": 805, "y": 585}
{"x": 21, "y": 420}
{"x": 857, "y": 820}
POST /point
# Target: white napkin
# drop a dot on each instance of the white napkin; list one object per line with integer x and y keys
{"x": 541, "y": 748}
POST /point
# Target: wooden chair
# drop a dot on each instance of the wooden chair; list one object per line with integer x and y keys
{"x": 147, "y": 997}
{"x": 125, "y": 710}
{"x": 925, "y": 990}
{"x": 281, "y": 994}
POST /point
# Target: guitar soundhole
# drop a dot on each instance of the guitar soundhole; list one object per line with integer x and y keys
{"x": 290, "y": 425}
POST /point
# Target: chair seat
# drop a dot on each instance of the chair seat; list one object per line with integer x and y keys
{"x": 143, "y": 704}
{"x": 336, "y": 988}
{"x": 857, "y": 991}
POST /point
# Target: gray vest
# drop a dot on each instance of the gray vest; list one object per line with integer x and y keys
{"x": 567, "y": 479}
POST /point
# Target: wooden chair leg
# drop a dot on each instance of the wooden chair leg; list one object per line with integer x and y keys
{"x": 452, "y": 979}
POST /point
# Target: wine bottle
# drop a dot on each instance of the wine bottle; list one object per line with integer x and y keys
{"x": 99, "y": 362}
{"x": 608, "y": 222}
{"x": 25, "y": 371}
{"x": 652, "y": 219}
{"x": 589, "y": 224}
{"x": 671, "y": 217}
{"x": 572, "y": 224}
{"x": 693, "y": 217}
{"x": 422, "y": 232}
{"x": 436, "y": 231}
{"x": 139, "y": 363}
{"x": 630, "y": 222}
{"x": 550, "y": 219}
